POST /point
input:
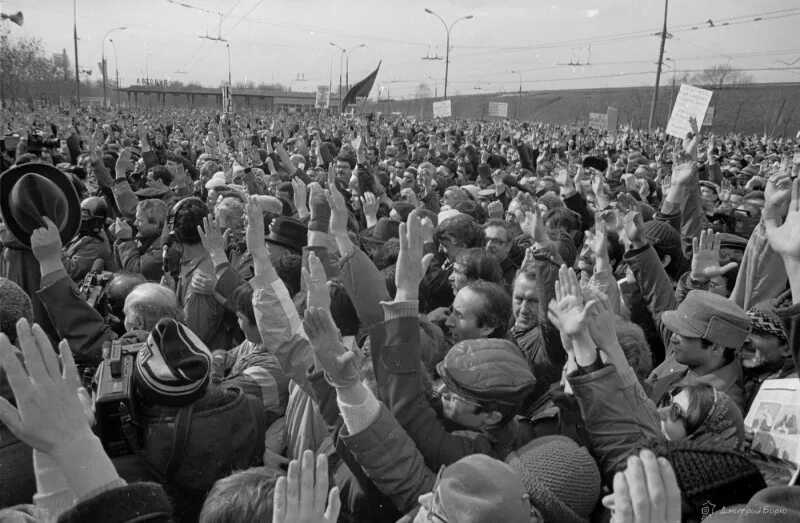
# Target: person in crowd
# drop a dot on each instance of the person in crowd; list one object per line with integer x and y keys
{"x": 702, "y": 413}
{"x": 142, "y": 254}
{"x": 92, "y": 243}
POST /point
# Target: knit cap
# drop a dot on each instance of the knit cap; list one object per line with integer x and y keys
{"x": 710, "y": 477}
{"x": 561, "y": 478}
{"x": 664, "y": 238}
{"x": 172, "y": 370}
{"x": 14, "y": 305}
{"x": 320, "y": 210}
{"x": 763, "y": 319}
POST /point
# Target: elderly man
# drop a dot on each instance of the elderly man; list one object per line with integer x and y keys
{"x": 142, "y": 254}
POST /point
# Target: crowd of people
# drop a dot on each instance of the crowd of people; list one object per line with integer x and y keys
{"x": 256, "y": 316}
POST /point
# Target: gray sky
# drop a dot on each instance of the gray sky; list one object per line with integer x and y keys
{"x": 277, "y": 40}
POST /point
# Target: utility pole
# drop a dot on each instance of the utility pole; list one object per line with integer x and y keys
{"x": 658, "y": 70}
{"x": 75, "y": 38}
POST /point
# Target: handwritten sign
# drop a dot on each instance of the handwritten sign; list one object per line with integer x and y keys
{"x": 323, "y": 100}
{"x": 598, "y": 120}
{"x": 498, "y": 109}
{"x": 442, "y": 109}
{"x": 691, "y": 102}
{"x": 612, "y": 117}
{"x": 709, "y": 119}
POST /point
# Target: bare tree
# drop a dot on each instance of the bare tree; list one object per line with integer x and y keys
{"x": 721, "y": 76}
{"x": 423, "y": 91}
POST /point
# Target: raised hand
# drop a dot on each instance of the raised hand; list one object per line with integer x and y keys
{"x": 203, "y": 283}
{"x": 211, "y": 235}
{"x": 316, "y": 283}
{"x": 690, "y": 144}
{"x": 122, "y": 230}
{"x": 570, "y": 309}
{"x": 633, "y": 227}
{"x": 49, "y": 415}
{"x": 495, "y": 210}
{"x": 339, "y": 214}
{"x": 647, "y": 491}
{"x": 705, "y": 257}
{"x": 299, "y": 497}
{"x": 300, "y": 196}
{"x": 338, "y": 363}
{"x": 411, "y": 264}
{"x": 254, "y": 234}
{"x": 777, "y": 195}
{"x": 370, "y": 206}
{"x": 124, "y": 163}
{"x": 46, "y": 242}
{"x": 785, "y": 239}
{"x": 534, "y": 226}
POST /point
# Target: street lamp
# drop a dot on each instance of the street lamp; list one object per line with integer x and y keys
{"x": 229, "y": 64}
{"x": 520, "y": 93}
{"x": 104, "y": 60}
{"x": 75, "y": 39}
{"x": 447, "y": 54}
{"x": 147, "y": 66}
{"x": 346, "y": 56}
{"x": 116, "y": 66}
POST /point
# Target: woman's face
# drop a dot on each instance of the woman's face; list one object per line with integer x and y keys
{"x": 672, "y": 417}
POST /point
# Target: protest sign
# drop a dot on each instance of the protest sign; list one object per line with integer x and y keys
{"x": 498, "y": 109}
{"x": 442, "y": 109}
{"x": 598, "y": 120}
{"x": 773, "y": 417}
{"x": 612, "y": 117}
{"x": 691, "y": 102}
{"x": 323, "y": 100}
{"x": 709, "y": 119}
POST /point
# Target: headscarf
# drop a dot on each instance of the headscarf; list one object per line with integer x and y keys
{"x": 724, "y": 425}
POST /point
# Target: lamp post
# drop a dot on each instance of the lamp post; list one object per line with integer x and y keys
{"x": 447, "y": 54}
{"x": 147, "y": 66}
{"x": 75, "y": 38}
{"x": 672, "y": 96}
{"x": 520, "y": 93}
{"x": 116, "y": 66}
{"x": 105, "y": 102}
{"x": 229, "y": 65}
{"x": 346, "y": 56}
{"x": 435, "y": 87}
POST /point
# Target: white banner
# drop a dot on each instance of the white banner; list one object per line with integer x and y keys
{"x": 442, "y": 109}
{"x": 709, "y": 119}
{"x": 498, "y": 109}
{"x": 691, "y": 102}
{"x": 323, "y": 97}
{"x": 598, "y": 121}
{"x": 612, "y": 117}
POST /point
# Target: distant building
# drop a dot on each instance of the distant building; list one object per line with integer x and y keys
{"x": 211, "y": 97}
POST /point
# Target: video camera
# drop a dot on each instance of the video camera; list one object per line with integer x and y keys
{"x": 113, "y": 389}
{"x": 94, "y": 284}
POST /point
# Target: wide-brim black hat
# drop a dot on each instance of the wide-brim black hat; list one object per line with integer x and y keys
{"x": 31, "y": 191}
{"x": 288, "y": 233}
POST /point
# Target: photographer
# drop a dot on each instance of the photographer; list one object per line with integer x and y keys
{"x": 92, "y": 242}
{"x": 142, "y": 254}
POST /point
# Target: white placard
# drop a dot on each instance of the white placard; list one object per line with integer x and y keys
{"x": 709, "y": 119}
{"x": 612, "y": 117}
{"x": 598, "y": 120}
{"x": 691, "y": 102}
{"x": 323, "y": 100}
{"x": 442, "y": 109}
{"x": 498, "y": 109}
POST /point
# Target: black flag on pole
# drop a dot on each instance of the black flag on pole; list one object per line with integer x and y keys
{"x": 362, "y": 88}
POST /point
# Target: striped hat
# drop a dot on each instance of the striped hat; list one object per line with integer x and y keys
{"x": 172, "y": 370}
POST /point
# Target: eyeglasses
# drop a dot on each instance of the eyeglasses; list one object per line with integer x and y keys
{"x": 435, "y": 502}
{"x": 450, "y": 395}
{"x": 496, "y": 241}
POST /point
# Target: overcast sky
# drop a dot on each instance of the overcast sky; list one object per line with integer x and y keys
{"x": 279, "y": 40}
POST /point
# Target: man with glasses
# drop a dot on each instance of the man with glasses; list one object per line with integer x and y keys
{"x": 497, "y": 238}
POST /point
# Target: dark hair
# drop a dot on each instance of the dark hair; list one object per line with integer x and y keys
{"x": 243, "y": 496}
{"x": 701, "y": 401}
{"x": 288, "y": 268}
{"x": 342, "y": 309}
{"x": 242, "y": 300}
{"x": 479, "y": 265}
{"x": 160, "y": 172}
{"x": 462, "y": 229}
{"x": 636, "y": 348}
{"x": 497, "y": 309}
{"x": 562, "y": 218}
{"x": 497, "y": 222}
{"x": 286, "y": 187}
{"x": 344, "y": 157}
{"x": 189, "y": 214}
{"x": 387, "y": 254}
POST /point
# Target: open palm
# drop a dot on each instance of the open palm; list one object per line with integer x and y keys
{"x": 785, "y": 239}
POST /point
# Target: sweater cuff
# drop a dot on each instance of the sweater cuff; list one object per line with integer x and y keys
{"x": 358, "y": 418}
{"x": 393, "y": 310}
{"x": 55, "y": 503}
{"x": 52, "y": 277}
